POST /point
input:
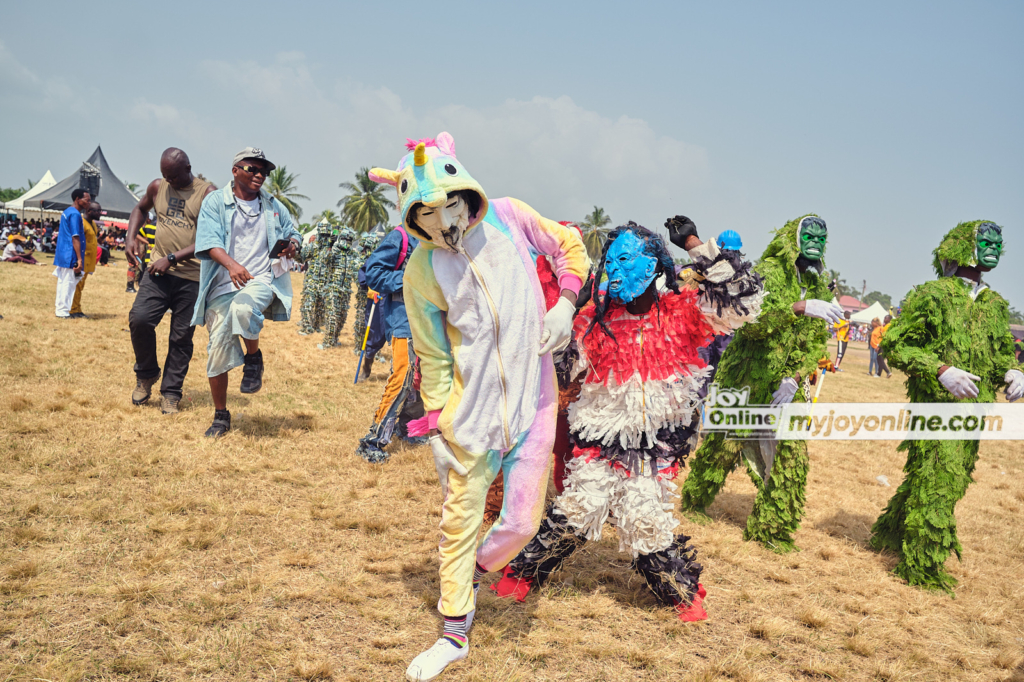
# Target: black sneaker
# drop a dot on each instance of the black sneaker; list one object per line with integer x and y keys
{"x": 79, "y": 316}
{"x": 221, "y": 424}
{"x": 252, "y": 373}
{"x": 130, "y": 289}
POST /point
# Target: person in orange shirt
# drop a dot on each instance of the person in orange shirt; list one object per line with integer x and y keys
{"x": 842, "y": 328}
{"x": 876, "y": 338}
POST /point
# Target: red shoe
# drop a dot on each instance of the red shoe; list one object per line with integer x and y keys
{"x": 510, "y": 586}
{"x": 695, "y": 611}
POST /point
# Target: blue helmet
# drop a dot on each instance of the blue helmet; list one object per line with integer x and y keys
{"x": 730, "y": 239}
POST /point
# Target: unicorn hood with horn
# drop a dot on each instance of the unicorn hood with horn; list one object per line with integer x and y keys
{"x": 484, "y": 340}
{"x": 431, "y": 179}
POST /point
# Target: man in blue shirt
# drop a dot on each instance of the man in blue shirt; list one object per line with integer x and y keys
{"x": 385, "y": 269}
{"x": 68, "y": 261}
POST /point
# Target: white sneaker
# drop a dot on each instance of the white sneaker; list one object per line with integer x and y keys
{"x": 433, "y": 661}
{"x": 469, "y": 616}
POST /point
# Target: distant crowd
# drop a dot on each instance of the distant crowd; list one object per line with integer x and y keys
{"x": 20, "y": 239}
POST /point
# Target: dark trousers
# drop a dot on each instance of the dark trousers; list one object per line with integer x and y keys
{"x": 882, "y": 366}
{"x": 375, "y": 341}
{"x": 156, "y": 296}
{"x": 712, "y": 354}
{"x": 841, "y": 352}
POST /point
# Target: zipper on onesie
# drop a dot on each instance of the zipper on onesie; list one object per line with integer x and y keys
{"x": 497, "y": 347}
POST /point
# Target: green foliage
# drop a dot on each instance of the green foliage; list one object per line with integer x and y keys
{"x": 366, "y": 206}
{"x": 940, "y": 325}
{"x": 305, "y": 228}
{"x": 1016, "y": 316}
{"x": 842, "y": 288}
{"x": 779, "y": 344}
{"x": 11, "y": 193}
{"x": 958, "y": 246}
{"x": 885, "y": 300}
{"x": 594, "y": 231}
{"x": 329, "y": 215}
{"x": 281, "y": 185}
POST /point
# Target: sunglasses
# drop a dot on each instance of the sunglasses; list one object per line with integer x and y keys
{"x": 254, "y": 170}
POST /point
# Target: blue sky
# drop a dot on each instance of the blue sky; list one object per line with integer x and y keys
{"x": 893, "y": 121}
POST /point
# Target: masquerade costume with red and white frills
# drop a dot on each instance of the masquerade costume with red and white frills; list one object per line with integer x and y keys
{"x": 633, "y": 425}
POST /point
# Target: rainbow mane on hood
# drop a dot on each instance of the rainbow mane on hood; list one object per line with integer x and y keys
{"x": 428, "y": 175}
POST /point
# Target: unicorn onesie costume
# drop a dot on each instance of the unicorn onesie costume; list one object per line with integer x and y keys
{"x": 477, "y": 315}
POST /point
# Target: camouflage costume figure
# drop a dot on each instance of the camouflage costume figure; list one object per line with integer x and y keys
{"x": 367, "y": 243}
{"x": 316, "y": 254}
{"x": 339, "y": 286}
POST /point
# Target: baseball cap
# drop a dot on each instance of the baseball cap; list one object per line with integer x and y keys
{"x": 253, "y": 153}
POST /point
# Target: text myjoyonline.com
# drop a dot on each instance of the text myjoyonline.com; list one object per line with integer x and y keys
{"x": 871, "y": 421}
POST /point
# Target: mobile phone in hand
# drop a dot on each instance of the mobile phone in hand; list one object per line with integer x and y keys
{"x": 280, "y": 246}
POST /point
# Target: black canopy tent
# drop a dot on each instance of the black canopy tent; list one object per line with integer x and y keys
{"x": 94, "y": 175}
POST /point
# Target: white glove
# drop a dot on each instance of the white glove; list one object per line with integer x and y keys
{"x": 557, "y": 326}
{"x": 787, "y": 389}
{"x": 959, "y": 383}
{"x": 445, "y": 461}
{"x": 824, "y": 310}
{"x": 1014, "y": 384}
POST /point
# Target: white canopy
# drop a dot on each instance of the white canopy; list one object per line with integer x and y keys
{"x": 865, "y": 316}
{"x": 46, "y": 183}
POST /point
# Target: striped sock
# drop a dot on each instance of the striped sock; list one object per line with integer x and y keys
{"x": 478, "y": 575}
{"x": 455, "y": 631}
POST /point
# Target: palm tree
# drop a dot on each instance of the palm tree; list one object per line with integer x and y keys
{"x": 281, "y": 185}
{"x": 329, "y": 215}
{"x": 594, "y": 231}
{"x": 365, "y": 207}
{"x": 841, "y": 286}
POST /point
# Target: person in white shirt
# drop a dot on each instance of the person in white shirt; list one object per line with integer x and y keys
{"x": 240, "y": 284}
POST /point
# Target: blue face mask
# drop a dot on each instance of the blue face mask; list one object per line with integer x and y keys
{"x": 630, "y": 270}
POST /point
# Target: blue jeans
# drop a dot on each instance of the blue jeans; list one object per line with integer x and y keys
{"x": 873, "y": 363}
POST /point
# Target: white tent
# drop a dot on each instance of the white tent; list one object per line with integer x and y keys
{"x": 46, "y": 183}
{"x": 865, "y": 316}
{"x": 18, "y": 205}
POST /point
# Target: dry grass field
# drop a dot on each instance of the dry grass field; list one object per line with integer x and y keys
{"x": 133, "y": 548}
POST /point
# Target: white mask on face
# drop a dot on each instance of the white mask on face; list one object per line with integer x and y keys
{"x": 446, "y": 224}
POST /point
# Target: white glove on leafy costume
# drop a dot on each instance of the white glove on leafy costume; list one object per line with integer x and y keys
{"x": 787, "y": 389}
{"x": 557, "y": 326}
{"x": 445, "y": 461}
{"x": 824, "y": 310}
{"x": 1014, "y": 384}
{"x": 959, "y": 383}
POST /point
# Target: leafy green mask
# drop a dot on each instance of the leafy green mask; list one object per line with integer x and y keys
{"x": 966, "y": 245}
{"x": 811, "y": 238}
{"x": 989, "y": 243}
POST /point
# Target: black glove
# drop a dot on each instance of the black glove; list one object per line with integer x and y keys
{"x": 679, "y": 228}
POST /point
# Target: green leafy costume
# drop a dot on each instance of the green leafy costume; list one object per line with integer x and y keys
{"x": 947, "y": 321}
{"x": 316, "y": 254}
{"x": 779, "y": 344}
